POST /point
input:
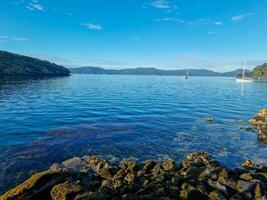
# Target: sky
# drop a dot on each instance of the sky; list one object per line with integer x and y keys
{"x": 165, "y": 34}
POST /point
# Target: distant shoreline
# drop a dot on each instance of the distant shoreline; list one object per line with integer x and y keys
{"x": 154, "y": 71}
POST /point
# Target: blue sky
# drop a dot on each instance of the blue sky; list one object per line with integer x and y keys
{"x": 167, "y": 34}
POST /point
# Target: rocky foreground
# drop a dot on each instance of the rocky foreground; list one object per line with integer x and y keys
{"x": 196, "y": 177}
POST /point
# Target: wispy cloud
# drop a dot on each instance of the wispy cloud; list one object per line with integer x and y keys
{"x": 218, "y": 23}
{"x": 240, "y": 17}
{"x": 35, "y": 5}
{"x": 170, "y": 19}
{"x": 5, "y": 38}
{"x": 201, "y": 21}
{"x": 91, "y": 26}
{"x": 161, "y": 4}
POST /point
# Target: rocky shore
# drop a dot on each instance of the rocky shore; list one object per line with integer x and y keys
{"x": 260, "y": 122}
{"x": 196, "y": 177}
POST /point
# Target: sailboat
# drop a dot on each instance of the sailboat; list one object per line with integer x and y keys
{"x": 186, "y": 75}
{"x": 244, "y": 79}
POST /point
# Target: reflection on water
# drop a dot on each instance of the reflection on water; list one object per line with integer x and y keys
{"x": 46, "y": 121}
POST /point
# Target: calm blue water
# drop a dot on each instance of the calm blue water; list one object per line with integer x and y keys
{"x": 44, "y": 121}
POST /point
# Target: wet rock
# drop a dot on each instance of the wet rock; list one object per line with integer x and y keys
{"x": 120, "y": 174}
{"x": 148, "y": 165}
{"x": 216, "y": 195}
{"x": 218, "y": 187}
{"x": 210, "y": 119}
{"x": 198, "y": 157}
{"x": 75, "y": 163}
{"x": 192, "y": 172}
{"x": 65, "y": 191}
{"x": 261, "y": 122}
{"x": 177, "y": 179}
{"x": 262, "y": 113}
{"x": 36, "y": 187}
{"x": 87, "y": 196}
{"x": 157, "y": 170}
{"x": 211, "y": 173}
{"x": 244, "y": 186}
{"x": 258, "y": 191}
{"x": 247, "y": 176}
{"x": 256, "y": 121}
{"x": 129, "y": 177}
{"x": 237, "y": 196}
{"x": 190, "y": 192}
{"x": 168, "y": 165}
{"x": 248, "y": 164}
{"x": 56, "y": 167}
{"x": 186, "y": 188}
{"x": 223, "y": 173}
{"x": 105, "y": 173}
{"x": 93, "y": 160}
{"x": 262, "y": 135}
{"x": 132, "y": 165}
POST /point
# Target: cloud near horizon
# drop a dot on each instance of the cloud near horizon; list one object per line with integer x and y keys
{"x": 5, "y": 38}
{"x": 216, "y": 63}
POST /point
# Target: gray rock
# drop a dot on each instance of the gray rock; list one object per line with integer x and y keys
{"x": 244, "y": 186}
{"x": 75, "y": 164}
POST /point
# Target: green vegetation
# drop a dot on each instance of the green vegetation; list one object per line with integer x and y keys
{"x": 247, "y": 75}
{"x": 18, "y": 65}
{"x": 260, "y": 71}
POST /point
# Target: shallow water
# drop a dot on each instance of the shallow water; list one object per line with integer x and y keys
{"x": 46, "y": 121}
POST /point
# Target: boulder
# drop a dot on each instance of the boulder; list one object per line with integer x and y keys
{"x": 65, "y": 191}
{"x": 257, "y": 120}
{"x": 75, "y": 164}
{"x": 248, "y": 164}
{"x": 36, "y": 187}
{"x": 244, "y": 186}
{"x": 262, "y": 113}
{"x": 216, "y": 195}
{"x": 262, "y": 132}
{"x": 189, "y": 192}
{"x": 258, "y": 191}
{"x": 168, "y": 165}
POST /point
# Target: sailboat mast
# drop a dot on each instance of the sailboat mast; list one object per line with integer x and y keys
{"x": 244, "y": 66}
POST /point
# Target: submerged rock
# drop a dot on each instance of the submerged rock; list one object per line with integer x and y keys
{"x": 210, "y": 119}
{"x": 197, "y": 177}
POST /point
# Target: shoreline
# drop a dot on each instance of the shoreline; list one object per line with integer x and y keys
{"x": 196, "y": 177}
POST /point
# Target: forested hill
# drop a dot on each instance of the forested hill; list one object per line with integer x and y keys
{"x": 260, "y": 71}
{"x": 17, "y": 65}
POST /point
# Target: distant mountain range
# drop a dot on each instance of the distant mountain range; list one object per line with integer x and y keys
{"x": 153, "y": 71}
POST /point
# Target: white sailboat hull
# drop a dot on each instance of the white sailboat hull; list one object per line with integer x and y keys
{"x": 244, "y": 79}
{"x": 240, "y": 80}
